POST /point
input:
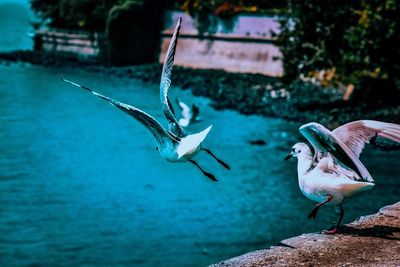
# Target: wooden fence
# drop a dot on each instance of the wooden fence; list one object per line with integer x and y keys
{"x": 80, "y": 43}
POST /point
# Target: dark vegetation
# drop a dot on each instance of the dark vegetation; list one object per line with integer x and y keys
{"x": 355, "y": 40}
{"x": 92, "y": 14}
{"x": 71, "y": 14}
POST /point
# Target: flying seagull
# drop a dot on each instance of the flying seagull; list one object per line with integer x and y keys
{"x": 173, "y": 146}
{"x": 334, "y": 173}
{"x": 189, "y": 115}
{"x": 173, "y": 125}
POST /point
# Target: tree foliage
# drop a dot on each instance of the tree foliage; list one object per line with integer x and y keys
{"x": 359, "y": 39}
{"x": 92, "y": 14}
{"x": 74, "y": 14}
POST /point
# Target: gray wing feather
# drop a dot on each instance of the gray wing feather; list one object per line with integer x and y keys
{"x": 165, "y": 83}
{"x": 145, "y": 119}
{"x": 341, "y": 152}
{"x": 171, "y": 107}
{"x": 329, "y": 164}
{"x": 332, "y": 145}
{"x": 358, "y": 133}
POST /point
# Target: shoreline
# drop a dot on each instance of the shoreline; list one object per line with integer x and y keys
{"x": 372, "y": 240}
{"x": 249, "y": 94}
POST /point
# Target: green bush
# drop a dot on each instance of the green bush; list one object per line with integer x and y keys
{"x": 360, "y": 39}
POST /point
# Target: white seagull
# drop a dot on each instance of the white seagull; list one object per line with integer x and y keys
{"x": 189, "y": 115}
{"x": 334, "y": 173}
{"x": 173, "y": 145}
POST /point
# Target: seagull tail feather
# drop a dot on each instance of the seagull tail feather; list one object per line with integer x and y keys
{"x": 191, "y": 142}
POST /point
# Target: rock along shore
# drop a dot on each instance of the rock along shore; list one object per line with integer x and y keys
{"x": 372, "y": 240}
{"x": 246, "y": 93}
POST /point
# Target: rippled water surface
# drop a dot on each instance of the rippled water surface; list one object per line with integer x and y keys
{"x": 82, "y": 184}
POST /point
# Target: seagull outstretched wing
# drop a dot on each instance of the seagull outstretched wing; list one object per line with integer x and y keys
{"x": 165, "y": 83}
{"x": 148, "y": 121}
{"x": 171, "y": 107}
{"x": 358, "y": 133}
{"x": 327, "y": 164}
{"x": 324, "y": 141}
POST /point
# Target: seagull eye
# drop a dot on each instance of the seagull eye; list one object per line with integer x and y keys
{"x": 298, "y": 151}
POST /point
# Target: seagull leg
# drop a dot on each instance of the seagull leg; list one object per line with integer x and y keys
{"x": 334, "y": 229}
{"x": 209, "y": 175}
{"x": 223, "y": 163}
{"x": 314, "y": 211}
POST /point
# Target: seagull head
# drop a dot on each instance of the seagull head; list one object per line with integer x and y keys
{"x": 298, "y": 150}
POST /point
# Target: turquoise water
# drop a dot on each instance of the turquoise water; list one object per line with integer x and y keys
{"x": 82, "y": 184}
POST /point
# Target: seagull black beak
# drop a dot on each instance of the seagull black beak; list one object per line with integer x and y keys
{"x": 288, "y": 156}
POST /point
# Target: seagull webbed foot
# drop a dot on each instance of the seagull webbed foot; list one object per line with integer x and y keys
{"x": 314, "y": 212}
{"x": 331, "y": 231}
{"x": 210, "y": 176}
{"x": 224, "y": 164}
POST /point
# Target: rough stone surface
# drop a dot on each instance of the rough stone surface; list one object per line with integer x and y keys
{"x": 372, "y": 240}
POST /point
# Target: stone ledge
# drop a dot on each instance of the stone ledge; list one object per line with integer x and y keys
{"x": 372, "y": 240}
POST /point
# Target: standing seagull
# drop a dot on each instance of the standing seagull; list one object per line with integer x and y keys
{"x": 334, "y": 173}
{"x": 189, "y": 115}
{"x": 172, "y": 147}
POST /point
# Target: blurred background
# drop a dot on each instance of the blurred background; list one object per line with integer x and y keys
{"x": 82, "y": 184}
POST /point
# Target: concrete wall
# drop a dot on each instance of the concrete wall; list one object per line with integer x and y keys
{"x": 243, "y": 44}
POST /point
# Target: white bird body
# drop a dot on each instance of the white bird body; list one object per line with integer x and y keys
{"x": 184, "y": 150}
{"x": 321, "y": 181}
{"x": 168, "y": 151}
{"x": 334, "y": 173}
